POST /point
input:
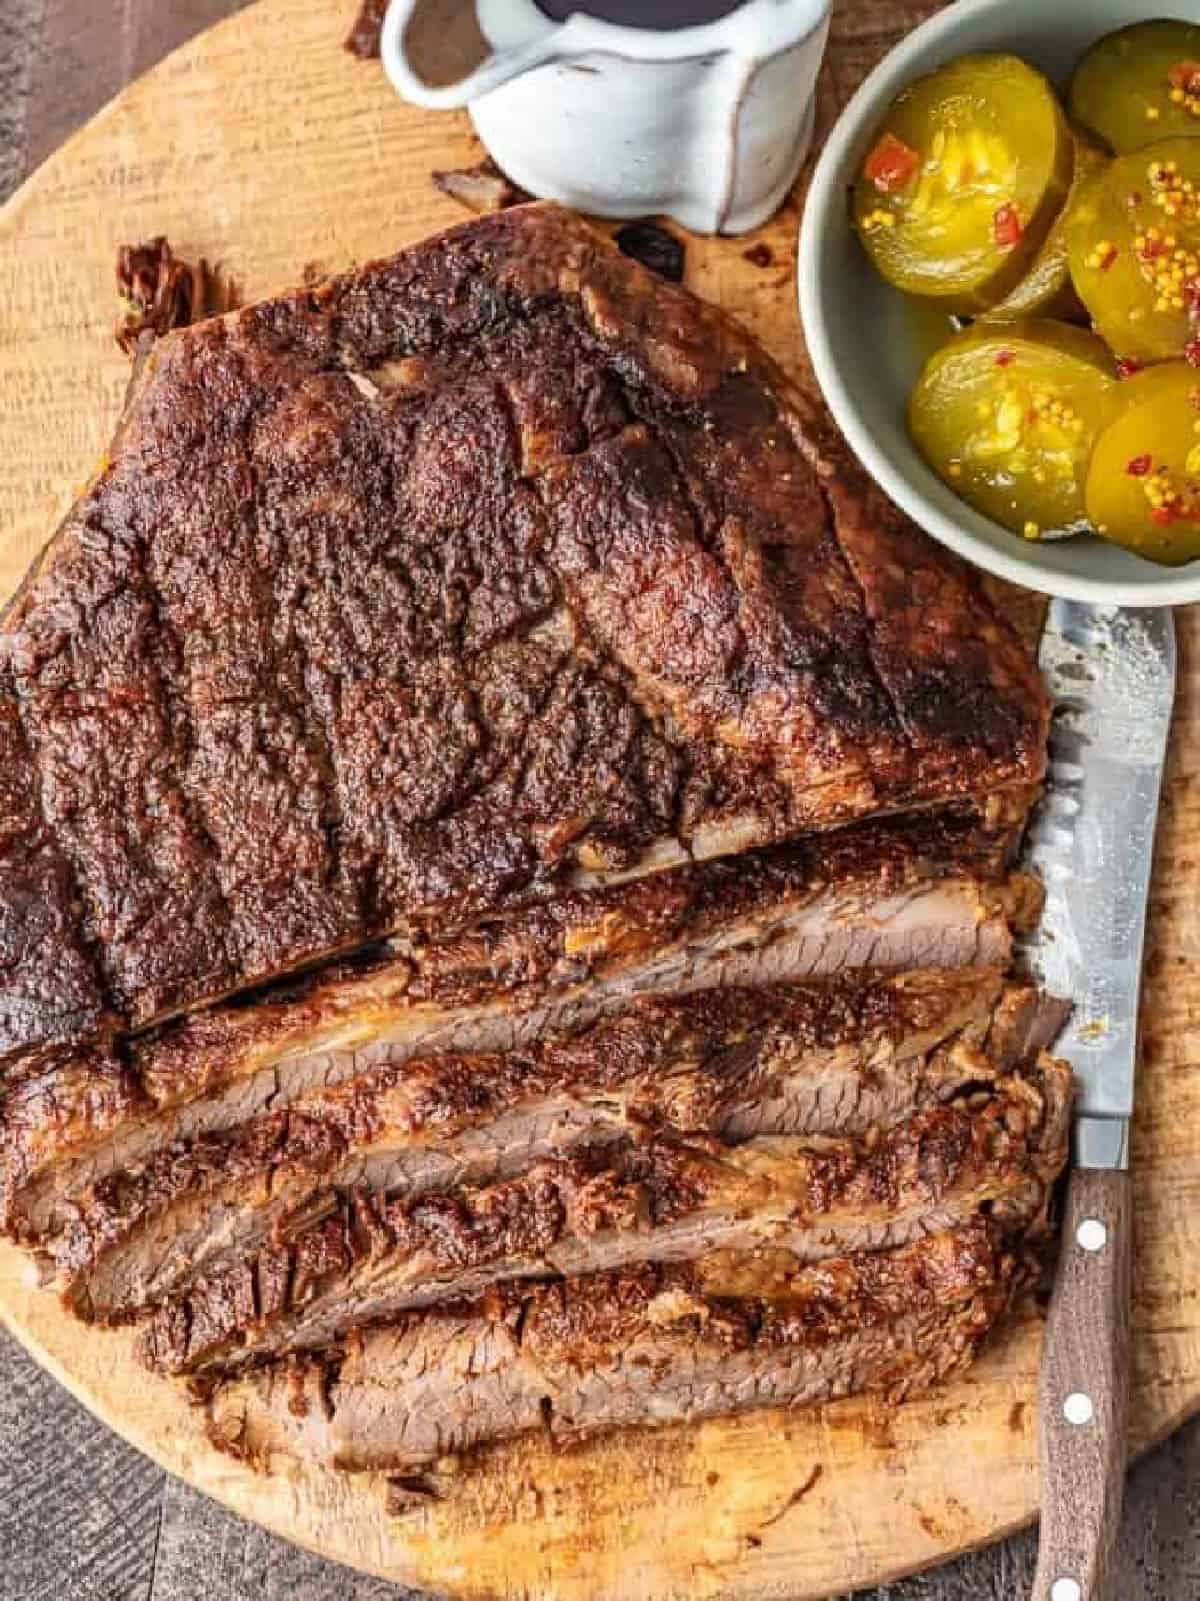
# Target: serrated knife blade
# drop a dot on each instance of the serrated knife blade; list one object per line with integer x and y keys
{"x": 1111, "y": 677}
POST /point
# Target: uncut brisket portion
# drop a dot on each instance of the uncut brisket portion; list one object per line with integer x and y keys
{"x": 998, "y": 1147}
{"x": 652, "y": 1344}
{"x": 840, "y": 1057}
{"x": 476, "y": 572}
{"x": 926, "y": 890}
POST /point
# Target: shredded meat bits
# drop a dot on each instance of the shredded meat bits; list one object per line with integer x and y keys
{"x": 159, "y": 291}
{"x": 363, "y": 38}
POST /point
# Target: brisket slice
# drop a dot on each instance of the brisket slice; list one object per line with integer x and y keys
{"x": 651, "y": 1344}
{"x": 488, "y": 566}
{"x": 603, "y": 1208}
{"x": 840, "y": 1056}
{"x": 901, "y": 893}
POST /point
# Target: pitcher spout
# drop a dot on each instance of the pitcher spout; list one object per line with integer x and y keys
{"x": 436, "y": 52}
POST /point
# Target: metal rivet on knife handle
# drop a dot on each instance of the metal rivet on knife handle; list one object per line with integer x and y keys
{"x": 1078, "y": 1409}
{"x": 1066, "y": 1590}
{"x": 1091, "y": 1234}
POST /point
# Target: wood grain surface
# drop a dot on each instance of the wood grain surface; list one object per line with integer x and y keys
{"x": 82, "y": 1517}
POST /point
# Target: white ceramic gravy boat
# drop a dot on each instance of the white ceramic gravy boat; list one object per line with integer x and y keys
{"x": 706, "y": 124}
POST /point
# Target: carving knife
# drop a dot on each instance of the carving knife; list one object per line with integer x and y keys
{"x": 1111, "y": 676}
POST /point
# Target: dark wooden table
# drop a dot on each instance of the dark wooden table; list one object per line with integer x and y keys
{"x": 82, "y": 1516}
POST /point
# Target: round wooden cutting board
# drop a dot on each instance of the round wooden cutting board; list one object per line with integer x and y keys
{"x": 265, "y": 148}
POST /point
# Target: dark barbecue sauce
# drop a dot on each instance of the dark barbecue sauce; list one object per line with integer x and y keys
{"x": 643, "y": 13}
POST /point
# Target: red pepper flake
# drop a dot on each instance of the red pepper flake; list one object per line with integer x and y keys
{"x": 1191, "y": 352}
{"x": 1127, "y": 367}
{"x": 1162, "y": 515}
{"x": 1004, "y": 358}
{"x": 1006, "y": 227}
{"x": 891, "y": 165}
{"x": 1151, "y": 249}
{"x": 1185, "y": 75}
{"x": 1139, "y": 466}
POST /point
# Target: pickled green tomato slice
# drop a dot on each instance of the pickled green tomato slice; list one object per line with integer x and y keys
{"x": 963, "y": 179}
{"x": 1143, "y": 485}
{"x": 1140, "y": 85}
{"x": 1133, "y": 243}
{"x": 1007, "y": 415}
{"x": 1046, "y": 289}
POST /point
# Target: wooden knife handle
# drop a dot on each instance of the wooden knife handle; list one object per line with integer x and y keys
{"x": 1085, "y": 1392}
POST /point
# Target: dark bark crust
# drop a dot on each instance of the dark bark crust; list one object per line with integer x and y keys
{"x": 422, "y": 591}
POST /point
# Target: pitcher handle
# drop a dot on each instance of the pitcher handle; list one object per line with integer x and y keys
{"x": 499, "y": 67}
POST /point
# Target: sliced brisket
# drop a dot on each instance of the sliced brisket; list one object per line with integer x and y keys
{"x": 653, "y": 1344}
{"x": 831, "y": 1057}
{"x": 900, "y": 893}
{"x": 648, "y": 1199}
{"x": 473, "y": 571}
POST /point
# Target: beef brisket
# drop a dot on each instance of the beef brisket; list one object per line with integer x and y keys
{"x": 475, "y": 572}
{"x": 998, "y": 1147}
{"x": 505, "y": 876}
{"x": 834, "y": 1057}
{"x": 898, "y": 893}
{"x": 653, "y": 1344}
